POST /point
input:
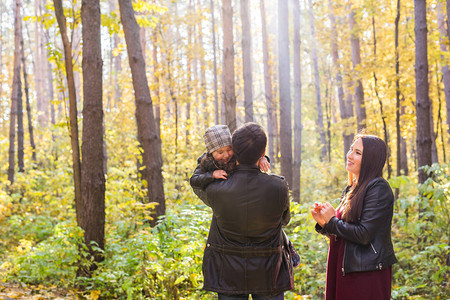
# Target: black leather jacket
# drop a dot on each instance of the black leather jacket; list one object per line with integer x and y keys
{"x": 368, "y": 244}
{"x": 246, "y": 249}
{"x": 205, "y": 167}
{"x": 200, "y": 179}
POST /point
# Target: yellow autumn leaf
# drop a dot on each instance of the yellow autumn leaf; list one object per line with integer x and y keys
{"x": 94, "y": 295}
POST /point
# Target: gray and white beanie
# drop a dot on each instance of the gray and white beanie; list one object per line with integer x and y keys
{"x": 216, "y": 137}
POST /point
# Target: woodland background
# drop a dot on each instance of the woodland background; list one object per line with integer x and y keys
{"x": 103, "y": 105}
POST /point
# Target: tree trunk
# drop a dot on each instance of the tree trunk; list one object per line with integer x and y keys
{"x": 156, "y": 79}
{"x": 313, "y": 51}
{"x": 201, "y": 52}
{"x": 216, "y": 97}
{"x": 439, "y": 122}
{"x": 1, "y": 46}
{"x": 247, "y": 60}
{"x": 116, "y": 66}
{"x": 356, "y": 61}
{"x": 350, "y": 125}
{"x": 271, "y": 108}
{"x": 92, "y": 167}
{"x": 147, "y": 131}
{"x": 285, "y": 92}
{"x": 189, "y": 56}
{"x": 433, "y": 135}
{"x": 195, "y": 81}
{"x": 422, "y": 87}
{"x": 20, "y": 131}
{"x": 171, "y": 83}
{"x": 447, "y": 99}
{"x": 16, "y": 90}
{"x": 397, "y": 94}
{"x": 328, "y": 113}
{"x": 117, "y": 73}
{"x": 441, "y": 127}
{"x": 38, "y": 64}
{"x": 28, "y": 106}
{"x": 383, "y": 116}
{"x": 76, "y": 45}
{"x": 229, "y": 95}
{"x": 296, "y": 171}
{"x": 443, "y": 39}
{"x": 61, "y": 19}
{"x": 52, "y": 112}
{"x": 347, "y": 130}
{"x": 403, "y": 148}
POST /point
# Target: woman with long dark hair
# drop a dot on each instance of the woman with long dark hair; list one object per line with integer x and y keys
{"x": 361, "y": 254}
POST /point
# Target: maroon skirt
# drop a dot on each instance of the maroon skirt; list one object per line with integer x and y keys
{"x": 372, "y": 285}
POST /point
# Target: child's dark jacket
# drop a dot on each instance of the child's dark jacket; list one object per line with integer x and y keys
{"x": 203, "y": 174}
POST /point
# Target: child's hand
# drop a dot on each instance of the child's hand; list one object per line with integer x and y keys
{"x": 220, "y": 174}
{"x": 263, "y": 164}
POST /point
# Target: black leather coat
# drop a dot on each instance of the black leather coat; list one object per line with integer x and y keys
{"x": 246, "y": 252}
{"x": 368, "y": 244}
{"x": 203, "y": 174}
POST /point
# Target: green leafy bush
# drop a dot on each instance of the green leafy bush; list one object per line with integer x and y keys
{"x": 421, "y": 236}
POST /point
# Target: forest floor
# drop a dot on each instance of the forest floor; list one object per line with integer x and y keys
{"x": 15, "y": 291}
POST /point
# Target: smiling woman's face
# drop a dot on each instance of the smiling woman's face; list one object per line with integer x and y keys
{"x": 354, "y": 157}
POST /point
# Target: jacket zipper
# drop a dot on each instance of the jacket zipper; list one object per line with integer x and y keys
{"x": 343, "y": 259}
{"x": 373, "y": 248}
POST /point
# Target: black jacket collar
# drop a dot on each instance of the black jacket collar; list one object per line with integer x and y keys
{"x": 245, "y": 167}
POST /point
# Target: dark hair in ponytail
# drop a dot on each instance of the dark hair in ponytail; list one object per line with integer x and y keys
{"x": 372, "y": 163}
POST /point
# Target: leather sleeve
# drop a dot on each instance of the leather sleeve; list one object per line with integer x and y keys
{"x": 286, "y": 204}
{"x": 378, "y": 202}
{"x": 321, "y": 230}
{"x": 200, "y": 180}
{"x": 201, "y": 193}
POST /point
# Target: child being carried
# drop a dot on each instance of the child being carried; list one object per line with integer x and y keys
{"x": 219, "y": 162}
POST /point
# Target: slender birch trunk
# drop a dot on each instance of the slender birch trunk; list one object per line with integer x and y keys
{"x": 447, "y": 99}
{"x": 73, "y": 115}
{"x": 146, "y": 125}
{"x": 296, "y": 171}
{"x": 28, "y": 107}
{"x": 229, "y": 94}
{"x": 383, "y": 116}
{"x": 422, "y": 88}
{"x": 1, "y": 48}
{"x": 16, "y": 91}
{"x": 201, "y": 52}
{"x": 397, "y": 93}
{"x": 285, "y": 92}
{"x": 268, "y": 89}
{"x": 20, "y": 130}
{"x": 156, "y": 79}
{"x": 247, "y": 60}
{"x": 38, "y": 68}
{"x": 347, "y": 132}
{"x": 433, "y": 135}
{"x": 315, "y": 65}
{"x": 216, "y": 97}
{"x": 356, "y": 61}
{"x": 443, "y": 39}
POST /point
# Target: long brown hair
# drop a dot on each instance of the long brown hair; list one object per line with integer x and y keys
{"x": 372, "y": 163}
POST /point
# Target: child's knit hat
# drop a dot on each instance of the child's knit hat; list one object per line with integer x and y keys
{"x": 216, "y": 137}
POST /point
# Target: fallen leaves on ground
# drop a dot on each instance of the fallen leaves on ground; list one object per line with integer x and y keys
{"x": 40, "y": 292}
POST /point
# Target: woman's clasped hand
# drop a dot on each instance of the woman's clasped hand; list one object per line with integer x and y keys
{"x": 323, "y": 212}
